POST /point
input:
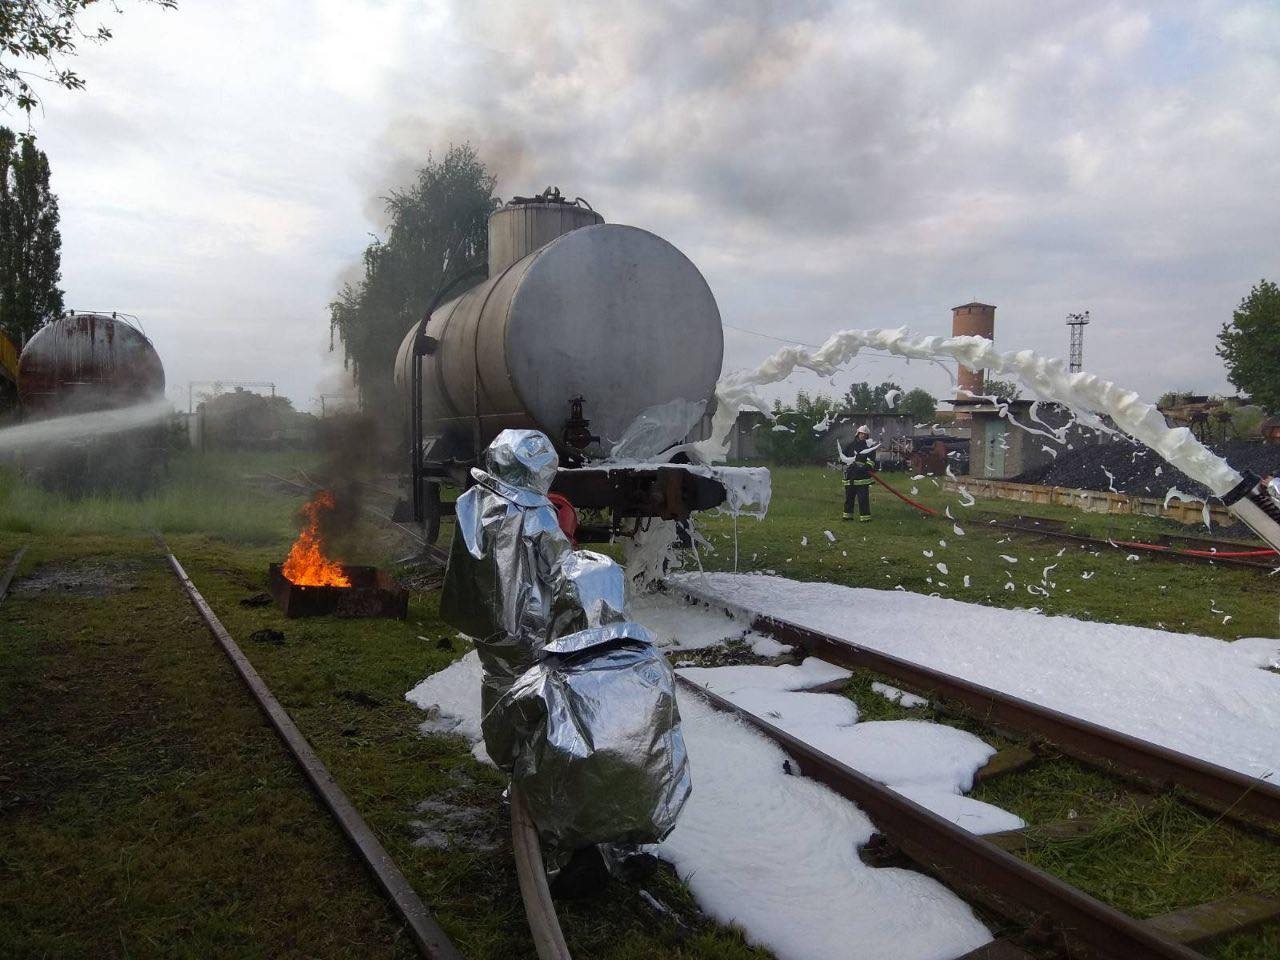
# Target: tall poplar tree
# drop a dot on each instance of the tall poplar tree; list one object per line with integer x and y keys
{"x": 30, "y": 245}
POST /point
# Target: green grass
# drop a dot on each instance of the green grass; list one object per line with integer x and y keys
{"x": 200, "y": 494}
{"x": 164, "y": 819}
{"x": 890, "y": 552}
{"x": 146, "y": 808}
{"x": 167, "y": 822}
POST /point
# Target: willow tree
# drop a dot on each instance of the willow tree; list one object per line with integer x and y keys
{"x": 437, "y": 230}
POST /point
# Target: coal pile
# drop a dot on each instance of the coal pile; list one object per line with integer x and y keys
{"x": 1139, "y": 472}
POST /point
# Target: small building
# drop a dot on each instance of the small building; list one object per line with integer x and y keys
{"x": 744, "y": 437}
{"x": 1009, "y": 445}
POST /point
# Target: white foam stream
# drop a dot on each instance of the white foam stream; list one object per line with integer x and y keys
{"x": 1087, "y": 395}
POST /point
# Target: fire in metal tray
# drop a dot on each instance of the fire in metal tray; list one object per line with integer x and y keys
{"x": 311, "y": 584}
{"x": 307, "y": 565}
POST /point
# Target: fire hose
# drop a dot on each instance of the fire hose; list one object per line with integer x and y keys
{"x": 1177, "y": 551}
{"x": 919, "y": 506}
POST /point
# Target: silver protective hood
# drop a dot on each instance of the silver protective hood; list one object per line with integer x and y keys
{"x": 520, "y": 465}
{"x": 595, "y": 737}
{"x": 506, "y": 548}
{"x": 590, "y": 590}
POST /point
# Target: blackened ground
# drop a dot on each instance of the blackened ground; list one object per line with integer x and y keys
{"x": 1137, "y": 471}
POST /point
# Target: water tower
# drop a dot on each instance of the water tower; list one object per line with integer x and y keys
{"x": 971, "y": 320}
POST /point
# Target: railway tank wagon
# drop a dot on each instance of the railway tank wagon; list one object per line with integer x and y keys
{"x": 581, "y": 327}
{"x": 87, "y": 363}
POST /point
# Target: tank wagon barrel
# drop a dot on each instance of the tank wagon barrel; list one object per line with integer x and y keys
{"x": 580, "y": 328}
{"x": 87, "y": 361}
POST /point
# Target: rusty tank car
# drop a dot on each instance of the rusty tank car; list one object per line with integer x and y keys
{"x": 580, "y": 328}
{"x": 87, "y": 363}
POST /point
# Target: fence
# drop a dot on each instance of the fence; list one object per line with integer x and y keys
{"x": 1090, "y": 501}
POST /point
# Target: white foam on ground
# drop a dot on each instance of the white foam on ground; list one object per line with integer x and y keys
{"x": 452, "y": 700}
{"x": 777, "y": 855}
{"x": 677, "y": 625}
{"x": 931, "y": 763}
{"x": 774, "y": 854}
{"x": 1194, "y": 694}
{"x": 811, "y": 673}
{"x": 900, "y": 697}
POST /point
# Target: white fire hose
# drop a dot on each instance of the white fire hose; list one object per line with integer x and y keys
{"x": 1249, "y": 502}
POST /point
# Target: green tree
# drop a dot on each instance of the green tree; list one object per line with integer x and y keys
{"x": 36, "y": 36}
{"x": 919, "y": 404}
{"x": 30, "y": 245}
{"x": 437, "y": 226}
{"x": 797, "y": 434}
{"x": 864, "y": 398}
{"x": 1003, "y": 389}
{"x": 1250, "y": 345}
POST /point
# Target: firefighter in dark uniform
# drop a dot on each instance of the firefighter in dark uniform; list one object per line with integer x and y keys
{"x": 857, "y": 474}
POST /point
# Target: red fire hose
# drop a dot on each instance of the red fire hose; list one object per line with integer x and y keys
{"x": 1268, "y": 552}
{"x": 919, "y": 506}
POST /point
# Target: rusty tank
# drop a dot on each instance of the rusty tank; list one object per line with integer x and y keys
{"x": 87, "y": 361}
{"x": 87, "y": 364}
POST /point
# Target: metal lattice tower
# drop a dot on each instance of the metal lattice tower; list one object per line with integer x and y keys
{"x": 1077, "y": 321}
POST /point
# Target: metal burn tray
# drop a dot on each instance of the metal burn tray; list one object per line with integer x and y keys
{"x": 372, "y": 594}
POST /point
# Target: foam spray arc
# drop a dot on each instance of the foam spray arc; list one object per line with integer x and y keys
{"x": 1085, "y": 394}
{"x": 1088, "y": 396}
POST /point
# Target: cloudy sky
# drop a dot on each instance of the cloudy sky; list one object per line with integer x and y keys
{"x": 826, "y": 164}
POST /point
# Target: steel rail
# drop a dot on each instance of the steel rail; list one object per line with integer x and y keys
{"x": 1012, "y": 886}
{"x": 431, "y": 941}
{"x": 7, "y": 577}
{"x": 1234, "y": 794}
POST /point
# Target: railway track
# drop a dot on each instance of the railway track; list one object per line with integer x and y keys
{"x": 968, "y": 863}
{"x": 1247, "y": 799}
{"x": 1061, "y": 919}
{"x": 984, "y": 869}
{"x": 430, "y": 940}
{"x": 6, "y": 578}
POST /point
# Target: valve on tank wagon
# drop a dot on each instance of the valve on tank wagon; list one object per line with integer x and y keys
{"x": 577, "y": 429}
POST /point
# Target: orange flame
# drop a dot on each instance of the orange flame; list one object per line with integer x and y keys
{"x": 307, "y": 566}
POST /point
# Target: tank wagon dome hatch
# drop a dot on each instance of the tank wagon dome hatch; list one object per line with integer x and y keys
{"x": 88, "y": 361}
{"x": 611, "y": 314}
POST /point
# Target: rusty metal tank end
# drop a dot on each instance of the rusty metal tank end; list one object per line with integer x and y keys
{"x": 87, "y": 361}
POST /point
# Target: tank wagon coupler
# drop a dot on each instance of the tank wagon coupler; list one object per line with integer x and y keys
{"x": 579, "y": 330}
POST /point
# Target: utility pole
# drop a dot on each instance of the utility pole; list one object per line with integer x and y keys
{"x": 1077, "y": 321}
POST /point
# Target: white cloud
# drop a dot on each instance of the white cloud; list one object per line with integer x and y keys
{"x": 826, "y": 164}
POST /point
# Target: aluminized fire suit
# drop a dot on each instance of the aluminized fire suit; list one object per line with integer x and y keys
{"x": 591, "y": 732}
{"x": 498, "y": 585}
